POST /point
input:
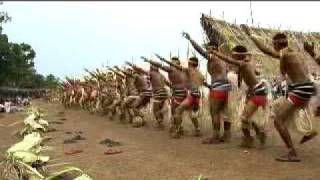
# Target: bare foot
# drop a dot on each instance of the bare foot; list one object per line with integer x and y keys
{"x": 288, "y": 158}
{"x": 309, "y": 137}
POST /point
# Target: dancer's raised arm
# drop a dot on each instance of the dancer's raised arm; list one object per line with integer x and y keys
{"x": 116, "y": 72}
{"x": 227, "y": 59}
{"x": 197, "y": 47}
{"x": 124, "y": 72}
{"x": 170, "y": 63}
{"x": 159, "y": 65}
{"x": 264, "y": 48}
{"x": 136, "y": 68}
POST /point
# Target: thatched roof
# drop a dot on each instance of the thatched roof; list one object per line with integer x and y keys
{"x": 232, "y": 34}
{"x": 227, "y": 35}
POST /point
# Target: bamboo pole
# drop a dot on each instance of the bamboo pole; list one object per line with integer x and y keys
{"x": 251, "y": 12}
{"x": 188, "y": 50}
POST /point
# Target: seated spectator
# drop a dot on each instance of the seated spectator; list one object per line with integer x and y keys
{"x": 7, "y": 106}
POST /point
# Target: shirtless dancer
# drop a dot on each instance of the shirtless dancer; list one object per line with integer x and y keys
{"x": 219, "y": 92}
{"x": 83, "y": 92}
{"x": 143, "y": 85}
{"x": 131, "y": 94}
{"x": 95, "y": 87}
{"x": 68, "y": 93}
{"x": 160, "y": 94}
{"x": 177, "y": 81}
{"x": 116, "y": 92}
{"x": 105, "y": 94}
{"x": 300, "y": 90}
{"x": 256, "y": 94}
{"x": 191, "y": 101}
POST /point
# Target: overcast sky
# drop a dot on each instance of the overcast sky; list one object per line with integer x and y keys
{"x": 69, "y": 36}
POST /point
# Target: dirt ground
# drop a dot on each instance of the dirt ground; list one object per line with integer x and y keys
{"x": 152, "y": 155}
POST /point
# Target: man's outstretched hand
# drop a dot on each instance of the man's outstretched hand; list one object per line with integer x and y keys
{"x": 186, "y": 35}
{"x": 116, "y": 67}
{"x": 144, "y": 59}
{"x": 129, "y": 63}
{"x": 158, "y": 56}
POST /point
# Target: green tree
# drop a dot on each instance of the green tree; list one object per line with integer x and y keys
{"x": 17, "y": 63}
{"x": 52, "y": 81}
{"x": 39, "y": 81}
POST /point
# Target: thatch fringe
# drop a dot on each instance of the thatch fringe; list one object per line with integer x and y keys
{"x": 227, "y": 35}
{"x": 220, "y": 32}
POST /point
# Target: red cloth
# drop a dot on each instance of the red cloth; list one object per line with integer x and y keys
{"x": 259, "y": 100}
{"x": 177, "y": 100}
{"x": 219, "y": 95}
{"x": 193, "y": 101}
{"x": 296, "y": 100}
